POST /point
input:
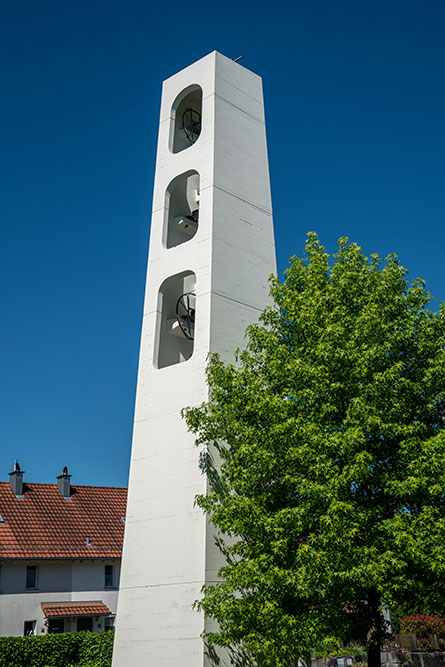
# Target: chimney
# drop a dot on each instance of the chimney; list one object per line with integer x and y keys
{"x": 64, "y": 484}
{"x": 16, "y": 480}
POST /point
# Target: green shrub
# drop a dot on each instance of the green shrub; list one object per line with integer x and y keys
{"x": 422, "y": 625}
{"x": 96, "y": 650}
{"x": 334, "y": 648}
{"x": 77, "y": 649}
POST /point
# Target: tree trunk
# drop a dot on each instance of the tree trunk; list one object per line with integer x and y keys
{"x": 374, "y": 658}
{"x": 375, "y": 635}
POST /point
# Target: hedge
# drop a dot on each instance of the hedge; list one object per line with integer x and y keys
{"x": 71, "y": 649}
{"x": 424, "y": 626}
{"x": 96, "y": 650}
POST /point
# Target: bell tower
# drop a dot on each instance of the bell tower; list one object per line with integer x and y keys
{"x": 211, "y": 253}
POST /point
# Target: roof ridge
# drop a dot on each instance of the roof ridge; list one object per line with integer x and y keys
{"x": 84, "y": 486}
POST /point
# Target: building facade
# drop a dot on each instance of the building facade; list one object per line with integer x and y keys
{"x": 60, "y": 555}
{"x": 211, "y": 253}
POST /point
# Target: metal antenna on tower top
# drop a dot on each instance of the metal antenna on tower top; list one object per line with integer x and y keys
{"x": 235, "y": 60}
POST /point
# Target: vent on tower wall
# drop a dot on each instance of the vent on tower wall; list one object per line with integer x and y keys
{"x": 182, "y": 209}
{"x": 176, "y": 320}
{"x": 186, "y": 118}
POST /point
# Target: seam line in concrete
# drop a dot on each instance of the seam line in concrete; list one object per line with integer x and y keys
{"x": 176, "y": 583}
{"x": 242, "y": 303}
{"x": 232, "y": 194}
{"x": 246, "y": 113}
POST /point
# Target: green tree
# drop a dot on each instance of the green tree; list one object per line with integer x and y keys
{"x": 328, "y": 495}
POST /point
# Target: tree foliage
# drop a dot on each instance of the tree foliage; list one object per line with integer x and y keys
{"x": 328, "y": 492}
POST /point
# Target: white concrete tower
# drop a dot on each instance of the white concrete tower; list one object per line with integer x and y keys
{"x": 211, "y": 241}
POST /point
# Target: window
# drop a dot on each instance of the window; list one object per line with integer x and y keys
{"x": 56, "y": 625}
{"x": 109, "y": 623}
{"x": 109, "y": 576}
{"x": 29, "y": 628}
{"x": 176, "y": 320}
{"x": 186, "y": 119}
{"x": 181, "y": 209}
{"x": 31, "y": 576}
{"x": 85, "y": 624}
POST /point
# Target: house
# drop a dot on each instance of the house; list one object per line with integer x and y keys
{"x": 60, "y": 555}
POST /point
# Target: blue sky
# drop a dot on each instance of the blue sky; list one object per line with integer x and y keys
{"x": 355, "y": 109}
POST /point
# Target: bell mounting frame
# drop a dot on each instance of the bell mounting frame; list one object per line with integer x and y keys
{"x": 185, "y": 314}
{"x": 191, "y": 124}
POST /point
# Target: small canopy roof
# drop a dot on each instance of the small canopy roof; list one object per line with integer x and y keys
{"x": 66, "y": 609}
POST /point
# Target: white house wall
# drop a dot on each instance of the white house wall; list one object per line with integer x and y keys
{"x": 57, "y": 581}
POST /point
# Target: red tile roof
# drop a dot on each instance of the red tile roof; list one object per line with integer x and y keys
{"x": 75, "y": 609}
{"x": 43, "y": 524}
